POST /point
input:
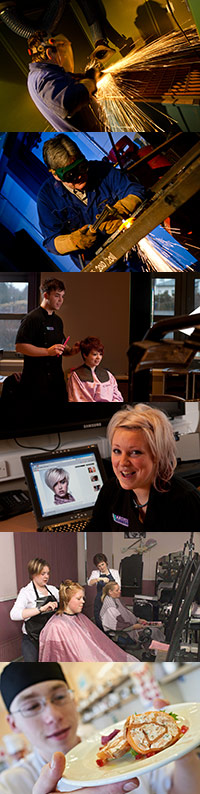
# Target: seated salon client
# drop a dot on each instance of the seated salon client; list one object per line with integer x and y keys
{"x": 99, "y": 577}
{"x": 91, "y": 382}
{"x": 115, "y": 616}
{"x": 145, "y": 492}
{"x": 34, "y": 605}
{"x": 58, "y": 481}
{"x": 72, "y": 637}
{"x": 41, "y": 705}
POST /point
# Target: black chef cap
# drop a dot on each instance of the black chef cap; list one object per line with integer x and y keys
{"x": 18, "y": 676}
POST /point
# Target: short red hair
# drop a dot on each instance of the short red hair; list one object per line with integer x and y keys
{"x": 91, "y": 343}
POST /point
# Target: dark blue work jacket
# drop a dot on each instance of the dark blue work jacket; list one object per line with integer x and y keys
{"x": 62, "y": 98}
{"x": 61, "y": 212}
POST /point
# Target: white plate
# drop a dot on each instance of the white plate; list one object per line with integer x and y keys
{"x": 81, "y": 767}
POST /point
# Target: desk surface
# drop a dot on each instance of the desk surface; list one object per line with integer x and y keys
{"x": 23, "y": 523}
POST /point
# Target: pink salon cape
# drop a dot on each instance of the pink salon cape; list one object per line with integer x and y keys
{"x": 74, "y": 638}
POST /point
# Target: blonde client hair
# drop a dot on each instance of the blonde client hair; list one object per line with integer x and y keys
{"x": 66, "y": 590}
{"x": 109, "y": 586}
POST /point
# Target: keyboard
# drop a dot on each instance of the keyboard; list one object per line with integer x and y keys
{"x": 69, "y": 526}
{"x": 14, "y": 503}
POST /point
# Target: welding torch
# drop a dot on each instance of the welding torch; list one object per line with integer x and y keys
{"x": 108, "y": 214}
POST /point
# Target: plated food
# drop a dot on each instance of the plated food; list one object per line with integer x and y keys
{"x": 81, "y": 768}
{"x": 142, "y": 734}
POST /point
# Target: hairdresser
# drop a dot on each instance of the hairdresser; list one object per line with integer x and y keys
{"x": 100, "y": 576}
{"x": 74, "y": 195}
{"x": 145, "y": 492}
{"x": 34, "y": 605}
{"x": 42, "y": 342}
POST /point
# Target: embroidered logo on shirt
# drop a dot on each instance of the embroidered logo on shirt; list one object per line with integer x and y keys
{"x": 50, "y": 328}
{"x": 120, "y": 520}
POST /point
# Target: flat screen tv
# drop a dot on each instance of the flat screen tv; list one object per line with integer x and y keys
{"x": 79, "y": 416}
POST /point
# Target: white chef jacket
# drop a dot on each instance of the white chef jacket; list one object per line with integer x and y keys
{"x": 96, "y": 574}
{"x": 21, "y": 778}
{"x": 26, "y": 599}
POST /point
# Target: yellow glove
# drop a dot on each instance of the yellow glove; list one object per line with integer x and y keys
{"x": 110, "y": 226}
{"x": 124, "y": 207}
{"x": 84, "y": 237}
{"x": 78, "y": 240}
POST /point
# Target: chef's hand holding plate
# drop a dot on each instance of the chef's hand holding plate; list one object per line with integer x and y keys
{"x": 51, "y": 774}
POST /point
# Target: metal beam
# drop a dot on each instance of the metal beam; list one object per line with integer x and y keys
{"x": 184, "y": 162}
{"x": 162, "y": 148}
{"x": 180, "y": 183}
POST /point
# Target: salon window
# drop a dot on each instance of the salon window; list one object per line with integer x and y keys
{"x": 196, "y": 293}
{"x": 163, "y": 298}
{"x": 18, "y": 296}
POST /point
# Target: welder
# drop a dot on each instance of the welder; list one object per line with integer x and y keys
{"x": 65, "y": 99}
{"x": 74, "y": 195}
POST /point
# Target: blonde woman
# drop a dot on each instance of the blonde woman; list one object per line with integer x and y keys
{"x": 115, "y": 616}
{"x": 144, "y": 493}
{"x": 72, "y": 637}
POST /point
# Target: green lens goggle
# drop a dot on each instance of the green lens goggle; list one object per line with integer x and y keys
{"x": 67, "y": 173}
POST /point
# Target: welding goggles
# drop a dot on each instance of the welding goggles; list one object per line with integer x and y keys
{"x": 70, "y": 173}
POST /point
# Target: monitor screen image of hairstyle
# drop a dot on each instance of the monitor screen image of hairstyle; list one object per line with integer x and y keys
{"x": 77, "y": 488}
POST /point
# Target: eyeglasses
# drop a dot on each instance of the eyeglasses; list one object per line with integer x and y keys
{"x": 71, "y": 172}
{"x": 36, "y": 706}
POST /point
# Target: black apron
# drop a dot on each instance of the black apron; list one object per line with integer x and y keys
{"x": 35, "y": 624}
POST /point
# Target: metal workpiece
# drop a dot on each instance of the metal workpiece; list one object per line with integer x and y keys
{"x": 178, "y": 185}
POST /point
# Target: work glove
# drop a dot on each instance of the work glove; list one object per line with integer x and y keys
{"x": 110, "y": 226}
{"x": 80, "y": 239}
{"x": 90, "y": 80}
{"x": 124, "y": 208}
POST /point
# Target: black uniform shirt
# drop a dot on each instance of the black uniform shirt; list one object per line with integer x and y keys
{"x": 42, "y": 330}
{"x": 176, "y": 509}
